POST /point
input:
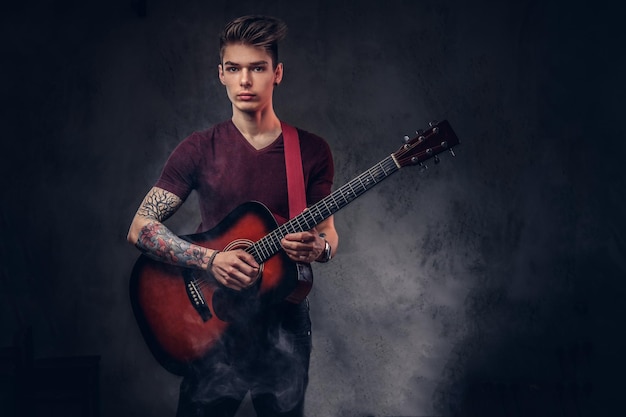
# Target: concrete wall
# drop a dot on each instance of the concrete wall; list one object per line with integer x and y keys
{"x": 490, "y": 284}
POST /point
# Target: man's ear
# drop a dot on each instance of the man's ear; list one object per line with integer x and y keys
{"x": 220, "y": 73}
{"x": 278, "y": 73}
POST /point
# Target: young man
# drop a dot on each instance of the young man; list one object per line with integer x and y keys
{"x": 233, "y": 162}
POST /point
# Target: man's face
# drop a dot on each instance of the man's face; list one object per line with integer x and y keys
{"x": 247, "y": 73}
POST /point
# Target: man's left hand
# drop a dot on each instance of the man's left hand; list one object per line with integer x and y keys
{"x": 304, "y": 246}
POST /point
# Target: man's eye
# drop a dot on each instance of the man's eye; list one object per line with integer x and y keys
{"x": 231, "y": 69}
{"x": 259, "y": 69}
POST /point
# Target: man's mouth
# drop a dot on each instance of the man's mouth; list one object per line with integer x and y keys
{"x": 245, "y": 96}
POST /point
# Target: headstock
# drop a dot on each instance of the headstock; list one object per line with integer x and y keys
{"x": 438, "y": 138}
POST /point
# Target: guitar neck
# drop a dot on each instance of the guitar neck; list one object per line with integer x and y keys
{"x": 427, "y": 144}
{"x": 269, "y": 245}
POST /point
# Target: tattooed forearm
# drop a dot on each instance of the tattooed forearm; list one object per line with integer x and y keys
{"x": 156, "y": 241}
{"x": 159, "y": 204}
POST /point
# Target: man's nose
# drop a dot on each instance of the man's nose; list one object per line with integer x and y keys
{"x": 245, "y": 78}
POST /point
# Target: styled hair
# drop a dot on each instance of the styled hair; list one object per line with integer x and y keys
{"x": 254, "y": 30}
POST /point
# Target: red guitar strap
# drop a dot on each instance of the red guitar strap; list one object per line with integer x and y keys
{"x": 293, "y": 165}
{"x": 297, "y": 203}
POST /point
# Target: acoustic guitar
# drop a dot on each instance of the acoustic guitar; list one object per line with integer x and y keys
{"x": 183, "y": 313}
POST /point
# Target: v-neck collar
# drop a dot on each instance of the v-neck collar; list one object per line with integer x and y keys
{"x": 264, "y": 149}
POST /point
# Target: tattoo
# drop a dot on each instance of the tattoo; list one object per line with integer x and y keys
{"x": 159, "y": 204}
{"x": 159, "y": 243}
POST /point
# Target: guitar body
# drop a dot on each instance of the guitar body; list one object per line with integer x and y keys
{"x": 183, "y": 313}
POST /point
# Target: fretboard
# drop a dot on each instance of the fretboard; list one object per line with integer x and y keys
{"x": 269, "y": 245}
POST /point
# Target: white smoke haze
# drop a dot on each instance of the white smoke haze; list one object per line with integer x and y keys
{"x": 273, "y": 371}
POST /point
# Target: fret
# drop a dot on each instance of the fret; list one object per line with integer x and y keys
{"x": 264, "y": 249}
{"x": 322, "y": 208}
{"x": 319, "y": 213}
{"x": 342, "y": 194}
{"x": 259, "y": 255}
{"x": 275, "y": 244}
{"x": 333, "y": 203}
{"x": 351, "y": 195}
{"x": 325, "y": 204}
{"x": 374, "y": 173}
{"x": 360, "y": 180}
{"x": 352, "y": 188}
{"x": 252, "y": 250}
{"x": 296, "y": 226}
{"x": 391, "y": 166}
{"x": 383, "y": 171}
{"x": 283, "y": 230}
{"x": 311, "y": 217}
{"x": 381, "y": 167}
{"x": 294, "y": 229}
{"x": 364, "y": 188}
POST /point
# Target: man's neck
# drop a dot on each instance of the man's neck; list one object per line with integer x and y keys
{"x": 260, "y": 129}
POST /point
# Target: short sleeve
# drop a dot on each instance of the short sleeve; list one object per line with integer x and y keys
{"x": 180, "y": 171}
{"x": 318, "y": 163}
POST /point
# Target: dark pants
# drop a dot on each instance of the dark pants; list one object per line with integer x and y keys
{"x": 268, "y": 356}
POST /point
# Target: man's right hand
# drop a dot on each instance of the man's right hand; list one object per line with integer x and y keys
{"x": 235, "y": 269}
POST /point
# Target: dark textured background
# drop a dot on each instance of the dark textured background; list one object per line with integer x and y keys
{"x": 491, "y": 284}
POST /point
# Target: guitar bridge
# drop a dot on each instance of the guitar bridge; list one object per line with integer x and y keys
{"x": 196, "y": 298}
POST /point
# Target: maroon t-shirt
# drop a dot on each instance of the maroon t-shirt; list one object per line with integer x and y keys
{"x": 226, "y": 171}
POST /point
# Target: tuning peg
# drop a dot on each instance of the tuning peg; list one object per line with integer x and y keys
{"x": 452, "y": 152}
{"x": 423, "y": 166}
{"x": 406, "y": 139}
{"x": 436, "y": 159}
{"x": 433, "y": 123}
{"x": 419, "y": 132}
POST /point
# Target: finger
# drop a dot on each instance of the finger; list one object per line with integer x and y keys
{"x": 248, "y": 260}
{"x": 294, "y": 252}
{"x": 237, "y": 265}
{"x": 244, "y": 271}
{"x": 239, "y": 279}
{"x": 300, "y": 256}
{"x": 225, "y": 281}
{"x": 295, "y": 246}
{"x": 302, "y": 237}
{"x": 230, "y": 275}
